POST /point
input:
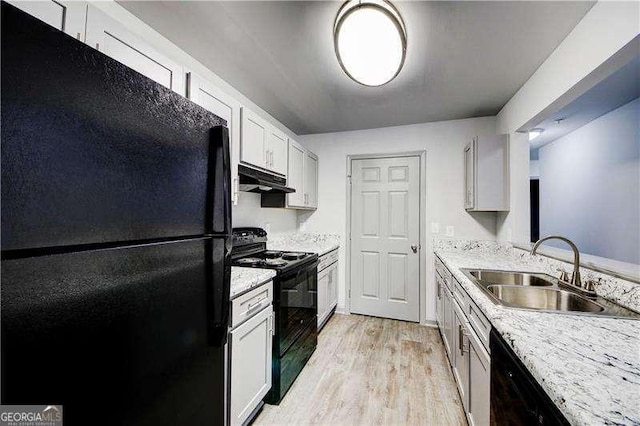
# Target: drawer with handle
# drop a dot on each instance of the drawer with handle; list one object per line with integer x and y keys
{"x": 327, "y": 259}
{"x": 459, "y": 294}
{"x": 247, "y": 305}
{"x": 480, "y": 324}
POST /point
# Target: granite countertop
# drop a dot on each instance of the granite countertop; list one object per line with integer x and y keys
{"x": 303, "y": 241}
{"x": 244, "y": 279}
{"x": 589, "y": 366}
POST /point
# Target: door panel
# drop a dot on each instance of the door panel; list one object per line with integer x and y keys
{"x": 254, "y": 138}
{"x": 277, "y": 147}
{"x": 397, "y": 279}
{"x": 385, "y": 215}
{"x": 251, "y": 370}
{"x": 311, "y": 180}
{"x": 295, "y": 174}
{"x": 113, "y": 39}
{"x": 63, "y": 15}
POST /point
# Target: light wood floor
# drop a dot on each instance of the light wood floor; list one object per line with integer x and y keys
{"x": 372, "y": 371}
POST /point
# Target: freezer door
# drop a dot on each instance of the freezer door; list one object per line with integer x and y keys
{"x": 125, "y": 336}
{"x": 94, "y": 152}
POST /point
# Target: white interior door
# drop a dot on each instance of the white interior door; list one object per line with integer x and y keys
{"x": 385, "y": 237}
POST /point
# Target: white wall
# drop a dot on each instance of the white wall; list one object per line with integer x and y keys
{"x": 249, "y": 213}
{"x": 573, "y": 68}
{"x": 534, "y": 168}
{"x": 590, "y": 186}
{"x": 444, "y": 143}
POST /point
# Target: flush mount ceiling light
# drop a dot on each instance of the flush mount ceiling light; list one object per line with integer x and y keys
{"x": 370, "y": 41}
{"x": 534, "y": 133}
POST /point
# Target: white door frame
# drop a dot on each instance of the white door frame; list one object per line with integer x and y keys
{"x": 422, "y": 225}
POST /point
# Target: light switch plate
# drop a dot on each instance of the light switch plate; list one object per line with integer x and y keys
{"x": 435, "y": 227}
{"x": 449, "y": 231}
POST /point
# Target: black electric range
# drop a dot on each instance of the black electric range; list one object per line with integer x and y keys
{"x": 295, "y": 303}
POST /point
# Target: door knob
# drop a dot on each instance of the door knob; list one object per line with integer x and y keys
{"x": 415, "y": 247}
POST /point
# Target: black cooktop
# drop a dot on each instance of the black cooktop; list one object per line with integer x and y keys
{"x": 270, "y": 259}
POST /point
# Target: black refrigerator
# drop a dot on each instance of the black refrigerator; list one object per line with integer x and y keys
{"x": 116, "y": 236}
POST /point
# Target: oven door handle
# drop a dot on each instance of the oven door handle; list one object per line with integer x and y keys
{"x": 299, "y": 271}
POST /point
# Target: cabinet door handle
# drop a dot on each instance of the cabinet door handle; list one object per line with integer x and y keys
{"x": 461, "y": 334}
{"x": 271, "y": 158}
{"x": 235, "y": 191}
{"x": 266, "y": 157}
{"x": 439, "y": 290}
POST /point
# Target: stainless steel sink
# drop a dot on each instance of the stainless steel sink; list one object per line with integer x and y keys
{"x": 548, "y": 299}
{"x": 541, "y": 292}
{"x": 511, "y": 278}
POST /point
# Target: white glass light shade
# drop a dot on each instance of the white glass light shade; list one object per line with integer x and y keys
{"x": 370, "y": 41}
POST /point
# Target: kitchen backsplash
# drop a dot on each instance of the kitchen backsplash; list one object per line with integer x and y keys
{"x": 249, "y": 213}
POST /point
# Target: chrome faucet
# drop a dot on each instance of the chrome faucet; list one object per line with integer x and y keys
{"x": 575, "y": 277}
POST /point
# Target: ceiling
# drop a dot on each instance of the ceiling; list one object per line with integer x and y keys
{"x": 616, "y": 90}
{"x": 464, "y": 59}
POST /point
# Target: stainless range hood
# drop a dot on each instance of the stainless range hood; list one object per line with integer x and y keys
{"x": 252, "y": 180}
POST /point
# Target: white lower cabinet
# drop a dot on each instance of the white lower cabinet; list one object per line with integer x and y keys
{"x": 250, "y": 365}
{"x": 480, "y": 376}
{"x": 250, "y": 352}
{"x": 465, "y": 340}
{"x": 327, "y": 287}
{"x": 447, "y": 321}
{"x": 460, "y": 354}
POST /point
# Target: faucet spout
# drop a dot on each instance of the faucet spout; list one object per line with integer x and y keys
{"x": 575, "y": 277}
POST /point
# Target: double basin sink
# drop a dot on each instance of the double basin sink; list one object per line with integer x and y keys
{"x": 541, "y": 292}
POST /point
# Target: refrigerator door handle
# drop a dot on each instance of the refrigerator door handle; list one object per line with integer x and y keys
{"x": 219, "y": 203}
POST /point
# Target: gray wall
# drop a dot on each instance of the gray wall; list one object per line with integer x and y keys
{"x": 590, "y": 186}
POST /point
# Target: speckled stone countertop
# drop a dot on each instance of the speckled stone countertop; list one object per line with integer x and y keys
{"x": 589, "y": 366}
{"x": 244, "y": 279}
{"x": 303, "y": 241}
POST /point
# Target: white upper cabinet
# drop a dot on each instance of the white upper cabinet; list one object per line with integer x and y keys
{"x": 224, "y": 106}
{"x": 295, "y": 174}
{"x": 311, "y": 180}
{"x": 302, "y": 176}
{"x": 277, "y": 148}
{"x": 67, "y": 16}
{"x": 486, "y": 181}
{"x": 262, "y": 145}
{"x": 253, "y": 144}
{"x": 114, "y": 40}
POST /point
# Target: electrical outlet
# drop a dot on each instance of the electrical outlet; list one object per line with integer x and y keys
{"x": 303, "y": 226}
{"x": 435, "y": 228}
{"x": 449, "y": 231}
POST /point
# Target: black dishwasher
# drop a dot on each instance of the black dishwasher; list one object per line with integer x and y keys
{"x": 516, "y": 397}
